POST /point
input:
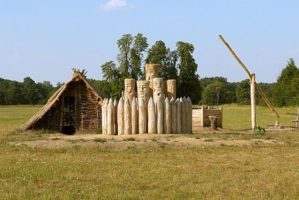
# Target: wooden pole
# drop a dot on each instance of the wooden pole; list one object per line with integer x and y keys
{"x": 253, "y": 88}
{"x": 253, "y": 103}
{"x": 235, "y": 55}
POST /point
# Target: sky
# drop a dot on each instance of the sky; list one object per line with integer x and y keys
{"x": 45, "y": 39}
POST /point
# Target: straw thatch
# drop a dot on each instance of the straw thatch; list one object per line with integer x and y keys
{"x": 86, "y": 107}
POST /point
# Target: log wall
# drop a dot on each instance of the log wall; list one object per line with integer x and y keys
{"x": 87, "y": 114}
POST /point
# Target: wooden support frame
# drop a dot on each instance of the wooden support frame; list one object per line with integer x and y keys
{"x": 253, "y": 87}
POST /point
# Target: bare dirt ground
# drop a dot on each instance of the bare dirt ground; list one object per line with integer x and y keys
{"x": 209, "y": 139}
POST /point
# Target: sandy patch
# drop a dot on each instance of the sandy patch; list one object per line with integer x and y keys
{"x": 56, "y": 141}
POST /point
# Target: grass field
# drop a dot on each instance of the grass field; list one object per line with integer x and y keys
{"x": 261, "y": 170}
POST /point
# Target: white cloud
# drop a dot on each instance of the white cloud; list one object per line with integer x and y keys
{"x": 114, "y": 5}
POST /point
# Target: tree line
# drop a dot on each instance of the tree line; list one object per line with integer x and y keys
{"x": 26, "y": 92}
{"x": 178, "y": 64}
{"x": 134, "y": 53}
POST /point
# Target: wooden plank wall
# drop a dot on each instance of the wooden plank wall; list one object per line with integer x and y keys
{"x": 200, "y": 117}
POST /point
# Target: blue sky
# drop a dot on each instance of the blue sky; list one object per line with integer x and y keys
{"x": 45, "y": 39}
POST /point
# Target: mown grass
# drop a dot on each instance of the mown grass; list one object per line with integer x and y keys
{"x": 224, "y": 172}
{"x": 11, "y": 117}
{"x": 238, "y": 117}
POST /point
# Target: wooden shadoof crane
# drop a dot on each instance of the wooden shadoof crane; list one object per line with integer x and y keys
{"x": 253, "y": 87}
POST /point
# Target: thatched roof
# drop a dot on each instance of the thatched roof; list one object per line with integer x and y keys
{"x": 77, "y": 75}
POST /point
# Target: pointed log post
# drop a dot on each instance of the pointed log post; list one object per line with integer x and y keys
{"x": 130, "y": 88}
{"x": 160, "y": 116}
{"x": 120, "y": 116}
{"x": 173, "y": 115}
{"x": 158, "y": 89}
{"x": 152, "y": 125}
{"x": 183, "y": 114}
{"x": 253, "y": 103}
{"x": 104, "y": 117}
{"x": 110, "y": 118}
{"x": 134, "y": 116}
{"x": 151, "y": 72}
{"x": 178, "y": 116}
{"x": 127, "y": 117}
{"x": 115, "y": 116}
{"x": 167, "y": 116}
{"x": 171, "y": 88}
{"x": 142, "y": 116}
{"x": 189, "y": 115}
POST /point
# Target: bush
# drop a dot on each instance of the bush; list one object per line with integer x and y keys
{"x": 259, "y": 130}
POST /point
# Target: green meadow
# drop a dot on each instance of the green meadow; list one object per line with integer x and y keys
{"x": 230, "y": 164}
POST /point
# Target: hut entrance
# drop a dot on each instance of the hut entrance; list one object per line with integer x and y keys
{"x": 68, "y": 120}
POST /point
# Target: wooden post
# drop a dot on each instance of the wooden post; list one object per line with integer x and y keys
{"x": 61, "y": 114}
{"x": 253, "y": 103}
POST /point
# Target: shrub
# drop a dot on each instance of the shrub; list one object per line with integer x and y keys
{"x": 259, "y": 130}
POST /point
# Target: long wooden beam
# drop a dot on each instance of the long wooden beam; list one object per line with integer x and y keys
{"x": 253, "y": 84}
{"x": 235, "y": 55}
{"x": 267, "y": 101}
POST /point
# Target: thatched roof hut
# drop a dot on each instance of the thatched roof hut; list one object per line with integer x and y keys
{"x": 75, "y": 106}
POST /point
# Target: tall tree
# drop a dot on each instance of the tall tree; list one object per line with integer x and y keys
{"x": 213, "y": 93}
{"x": 30, "y": 91}
{"x": 204, "y": 82}
{"x": 157, "y": 53}
{"x": 160, "y": 54}
{"x": 14, "y": 93}
{"x": 124, "y": 45}
{"x": 286, "y": 90}
{"x": 139, "y": 47}
{"x": 130, "y": 57}
{"x": 188, "y": 79}
{"x": 243, "y": 92}
{"x": 171, "y": 65}
{"x": 131, "y": 54}
{"x": 114, "y": 77}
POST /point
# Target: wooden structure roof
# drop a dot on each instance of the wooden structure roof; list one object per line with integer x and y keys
{"x": 77, "y": 76}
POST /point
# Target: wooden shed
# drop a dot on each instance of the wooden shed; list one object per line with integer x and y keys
{"x": 75, "y": 106}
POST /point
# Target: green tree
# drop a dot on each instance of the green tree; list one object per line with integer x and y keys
{"x": 188, "y": 80}
{"x": 14, "y": 93}
{"x": 44, "y": 91}
{"x": 170, "y": 65}
{"x": 157, "y": 53}
{"x": 243, "y": 92}
{"x": 268, "y": 90}
{"x": 30, "y": 91}
{"x": 229, "y": 93}
{"x": 213, "y": 93}
{"x": 131, "y": 53}
{"x": 286, "y": 90}
{"x": 27, "y": 92}
{"x": 124, "y": 45}
{"x": 229, "y": 89}
{"x": 139, "y": 47}
{"x": 160, "y": 54}
{"x": 102, "y": 87}
{"x": 114, "y": 78}
{"x": 204, "y": 82}
{"x": 3, "y": 89}
{"x": 130, "y": 58}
